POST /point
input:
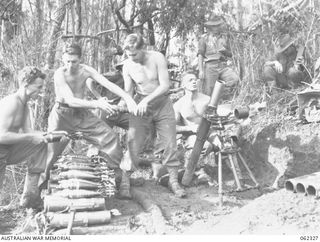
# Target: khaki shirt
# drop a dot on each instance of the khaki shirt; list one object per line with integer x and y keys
{"x": 210, "y": 45}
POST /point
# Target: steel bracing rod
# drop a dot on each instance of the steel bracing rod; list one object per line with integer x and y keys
{"x": 220, "y": 191}
{"x": 235, "y": 174}
{"x": 248, "y": 169}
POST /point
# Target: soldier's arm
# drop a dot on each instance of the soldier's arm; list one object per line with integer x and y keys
{"x": 128, "y": 82}
{"x": 107, "y": 84}
{"x": 131, "y": 105}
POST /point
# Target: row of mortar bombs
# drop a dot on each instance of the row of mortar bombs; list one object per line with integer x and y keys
{"x": 307, "y": 184}
{"x": 82, "y": 173}
{"x": 78, "y": 186}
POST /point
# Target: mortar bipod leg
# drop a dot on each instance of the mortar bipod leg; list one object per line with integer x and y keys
{"x": 248, "y": 169}
{"x": 237, "y": 166}
{"x": 232, "y": 159}
{"x": 220, "y": 191}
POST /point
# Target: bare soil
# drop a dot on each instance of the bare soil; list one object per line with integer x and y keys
{"x": 254, "y": 211}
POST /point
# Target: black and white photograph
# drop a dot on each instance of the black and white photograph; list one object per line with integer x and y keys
{"x": 160, "y": 117}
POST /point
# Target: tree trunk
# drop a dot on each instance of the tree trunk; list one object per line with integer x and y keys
{"x": 78, "y": 22}
{"x": 152, "y": 40}
{"x": 2, "y": 39}
{"x": 54, "y": 34}
{"x": 239, "y": 8}
{"x": 164, "y": 43}
{"x": 38, "y": 24}
{"x": 10, "y": 20}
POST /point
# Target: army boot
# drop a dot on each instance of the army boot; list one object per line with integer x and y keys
{"x": 174, "y": 184}
{"x": 31, "y": 196}
{"x": 157, "y": 170}
{"x": 124, "y": 189}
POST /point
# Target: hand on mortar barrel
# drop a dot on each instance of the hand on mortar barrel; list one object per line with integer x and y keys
{"x": 194, "y": 128}
{"x": 54, "y": 136}
{"x": 38, "y": 138}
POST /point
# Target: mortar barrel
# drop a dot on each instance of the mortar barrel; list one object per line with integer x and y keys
{"x": 61, "y": 220}
{"x": 300, "y": 188}
{"x": 202, "y": 133}
{"x": 309, "y": 186}
{"x": 216, "y": 93}
{"x": 313, "y": 191}
{"x": 57, "y": 204}
{"x": 313, "y": 186}
{"x": 291, "y": 184}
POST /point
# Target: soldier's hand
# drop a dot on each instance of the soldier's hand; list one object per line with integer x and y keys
{"x": 38, "y": 138}
{"x": 122, "y": 104}
{"x": 299, "y": 61}
{"x": 111, "y": 115}
{"x": 270, "y": 86}
{"x": 142, "y": 107}
{"x": 104, "y": 104}
{"x": 132, "y": 106}
{"x": 194, "y": 128}
{"x": 277, "y": 66}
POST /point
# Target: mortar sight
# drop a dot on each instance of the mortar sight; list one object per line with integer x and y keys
{"x": 242, "y": 112}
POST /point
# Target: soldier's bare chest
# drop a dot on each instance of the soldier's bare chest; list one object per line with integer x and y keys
{"x": 76, "y": 81}
{"x": 191, "y": 110}
{"x": 141, "y": 73}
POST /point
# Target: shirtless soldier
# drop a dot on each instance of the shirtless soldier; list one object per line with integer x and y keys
{"x": 189, "y": 110}
{"x": 70, "y": 113}
{"x": 29, "y": 145}
{"x": 146, "y": 78}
